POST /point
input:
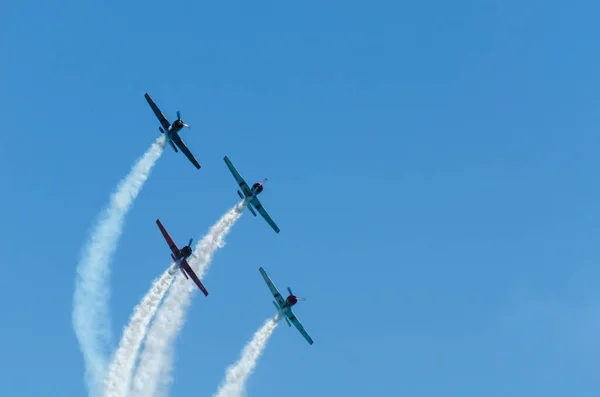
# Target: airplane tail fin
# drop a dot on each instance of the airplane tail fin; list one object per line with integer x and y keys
{"x": 173, "y": 146}
{"x": 240, "y": 194}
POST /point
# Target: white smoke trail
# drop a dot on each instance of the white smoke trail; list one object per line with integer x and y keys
{"x": 118, "y": 379}
{"x": 237, "y": 374}
{"x": 156, "y": 359}
{"x": 90, "y": 301}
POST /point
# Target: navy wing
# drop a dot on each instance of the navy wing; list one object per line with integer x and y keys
{"x": 179, "y": 142}
{"x": 161, "y": 117}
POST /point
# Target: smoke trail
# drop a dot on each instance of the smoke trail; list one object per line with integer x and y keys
{"x": 90, "y": 306}
{"x": 121, "y": 368}
{"x": 156, "y": 359}
{"x": 237, "y": 374}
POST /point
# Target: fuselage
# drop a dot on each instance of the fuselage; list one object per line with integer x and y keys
{"x": 285, "y": 310}
{"x": 176, "y": 127}
{"x": 290, "y": 301}
{"x": 173, "y": 129}
{"x": 184, "y": 253}
{"x": 256, "y": 189}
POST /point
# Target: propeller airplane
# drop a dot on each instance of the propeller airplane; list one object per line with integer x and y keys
{"x": 284, "y": 306}
{"x": 180, "y": 257}
{"x": 250, "y": 194}
{"x": 172, "y": 131}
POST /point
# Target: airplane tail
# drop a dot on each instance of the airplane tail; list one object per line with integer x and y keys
{"x": 173, "y": 146}
{"x": 247, "y": 203}
{"x": 280, "y": 314}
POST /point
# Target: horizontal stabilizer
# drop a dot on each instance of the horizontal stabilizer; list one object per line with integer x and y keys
{"x": 250, "y": 209}
{"x": 240, "y": 194}
{"x": 161, "y": 130}
{"x": 173, "y": 146}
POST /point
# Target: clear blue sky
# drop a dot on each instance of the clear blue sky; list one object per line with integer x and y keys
{"x": 433, "y": 167}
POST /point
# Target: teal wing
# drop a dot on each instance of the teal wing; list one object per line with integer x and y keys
{"x": 290, "y": 314}
{"x": 243, "y": 185}
{"x": 261, "y": 210}
{"x": 161, "y": 117}
{"x": 179, "y": 142}
{"x": 272, "y": 287}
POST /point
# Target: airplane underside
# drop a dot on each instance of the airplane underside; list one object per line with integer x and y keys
{"x": 162, "y": 131}
{"x": 248, "y": 205}
{"x": 281, "y": 313}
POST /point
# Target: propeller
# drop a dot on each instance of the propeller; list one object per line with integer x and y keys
{"x": 190, "y": 243}
{"x": 179, "y": 119}
{"x": 297, "y": 297}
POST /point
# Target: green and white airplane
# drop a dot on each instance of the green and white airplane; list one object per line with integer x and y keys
{"x": 284, "y": 306}
{"x": 250, "y": 194}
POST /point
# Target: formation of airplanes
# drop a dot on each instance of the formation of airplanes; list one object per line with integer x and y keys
{"x": 251, "y": 201}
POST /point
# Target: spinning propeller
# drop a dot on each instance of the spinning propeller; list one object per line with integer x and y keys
{"x": 291, "y": 293}
{"x": 189, "y": 244}
{"x": 179, "y": 119}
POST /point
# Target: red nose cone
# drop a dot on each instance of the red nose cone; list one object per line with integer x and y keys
{"x": 292, "y": 300}
{"x": 258, "y": 187}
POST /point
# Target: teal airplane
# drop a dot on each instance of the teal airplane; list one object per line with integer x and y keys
{"x": 172, "y": 131}
{"x": 250, "y": 194}
{"x": 284, "y": 306}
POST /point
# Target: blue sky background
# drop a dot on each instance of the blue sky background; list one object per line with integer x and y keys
{"x": 433, "y": 167}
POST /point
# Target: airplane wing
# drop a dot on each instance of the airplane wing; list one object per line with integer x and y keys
{"x": 238, "y": 177}
{"x": 179, "y": 142}
{"x": 290, "y": 314}
{"x": 261, "y": 210}
{"x": 170, "y": 241}
{"x": 188, "y": 269}
{"x": 272, "y": 287}
{"x": 161, "y": 117}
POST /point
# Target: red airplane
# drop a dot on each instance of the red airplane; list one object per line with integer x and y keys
{"x": 180, "y": 256}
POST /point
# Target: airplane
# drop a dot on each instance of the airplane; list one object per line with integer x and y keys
{"x": 172, "y": 131}
{"x": 251, "y": 194}
{"x": 284, "y": 307}
{"x": 180, "y": 257}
